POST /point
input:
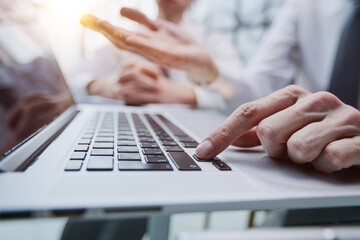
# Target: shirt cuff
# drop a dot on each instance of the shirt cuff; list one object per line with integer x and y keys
{"x": 207, "y": 98}
{"x": 78, "y": 83}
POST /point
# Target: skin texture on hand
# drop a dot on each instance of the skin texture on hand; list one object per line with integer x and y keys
{"x": 308, "y": 128}
{"x": 165, "y": 44}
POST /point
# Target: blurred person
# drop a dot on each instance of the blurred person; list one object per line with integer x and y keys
{"x": 301, "y": 47}
{"x": 314, "y": 43}
{"x": 124, "y": 76}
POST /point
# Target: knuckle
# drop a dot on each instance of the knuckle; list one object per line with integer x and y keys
{"x": 222, "y": 134}
{"x": 266, "y": 132}
{"x": 334, "y": 157}
{"x": 299, "y": 149}
{"x": 176, "y": 57}
{"x": 246, "y": 111}
{"x": 351, "y": 116}
{"x": 294, "y": 90}
{"x": 324, "y": 100}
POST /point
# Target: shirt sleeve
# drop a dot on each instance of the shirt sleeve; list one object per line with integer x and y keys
{"x": 208, "y": 98}
{"x": 273, "y": 67}
{"x": 275, "y": 64}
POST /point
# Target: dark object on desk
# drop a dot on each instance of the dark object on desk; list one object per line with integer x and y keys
{"x": 123, "y": 229}
{"x": 322, "y": 216}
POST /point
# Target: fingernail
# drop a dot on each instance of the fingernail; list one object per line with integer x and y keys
{"x": 204, "y": 149}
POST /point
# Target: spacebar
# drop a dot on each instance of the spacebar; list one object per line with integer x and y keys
{"x": 184, "y": 162}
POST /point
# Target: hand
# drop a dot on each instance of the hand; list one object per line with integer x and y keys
{"x": 165, "y": 44}
{"x": 316, "y": 128}
{"x": 143, "y": 84}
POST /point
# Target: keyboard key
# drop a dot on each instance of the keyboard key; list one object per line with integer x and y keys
{"x": 146, "y": 139}
{"x": 184, "y": 162}
{"x": 169, "y": 143}
{"x": 105, "y": 135}
{"x": 73, "y": 165}
{"x": 152, "y": 151}
{"x": 173, "y": 149}
{"x": 221, "y": 166}
{"x": 84, "y": 142}
{"x": 102, "y": 152}
{"x": 141, "y": 129}
{"x": 129, "y": 157}
{"x": 124, "y": 128}
{"x": 104, "y": 139}
{"x": 78, "y": 156}
{"x": 164, "y": 138}
{"x": 104, "y": 145}
{"x": 139, "y": 166}
{"x": 87, "y": 136}
{"x": 177, "y": 131}
{"x": 126, "y": 138}
{"x": 149, "y": 145}
{"x": 145, "y": 135}
{"x": 89, "y": 132}
{"x": 156, "y": 159}
{"x": 128, "y": 149}
{"x": 162, "y": 134}
{"x": 82, "y": 148}
{"x": 189, "y": 144}
{"x": 206, "y": 160}
{"x": 102, "y": 163}
{"x": 107, "y": 130}
{"x": 126, "y": 143}
{"x": 185, "y": 139}
{"x": 125, "y": 133}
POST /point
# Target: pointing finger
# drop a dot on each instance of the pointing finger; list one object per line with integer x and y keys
{"x": 246, "y": 117}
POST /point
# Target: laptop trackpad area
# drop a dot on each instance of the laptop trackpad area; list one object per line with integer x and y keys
{"x": 287, "y": 178}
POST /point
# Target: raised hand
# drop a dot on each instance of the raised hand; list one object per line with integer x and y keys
{"x": 165, "y": 44}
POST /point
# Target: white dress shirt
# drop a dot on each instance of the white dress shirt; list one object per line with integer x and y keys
{"x": 108, "y": 61}
{"x": 300, "y": 48}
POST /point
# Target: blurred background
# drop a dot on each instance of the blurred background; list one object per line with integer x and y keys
{"x": 244, "y": 21}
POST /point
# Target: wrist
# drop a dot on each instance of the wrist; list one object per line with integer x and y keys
{"x": 201, "y": 69}
{"x": 92, "y": 87}
{"x": 185, "y": 95}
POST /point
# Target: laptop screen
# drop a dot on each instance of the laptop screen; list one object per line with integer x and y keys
{"x": 32, "y": 88}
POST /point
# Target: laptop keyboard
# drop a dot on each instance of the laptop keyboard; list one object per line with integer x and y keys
{"x": 134, "y": 143}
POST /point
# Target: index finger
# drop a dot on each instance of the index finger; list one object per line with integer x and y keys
{"x": 138, "y": 17}
{"x": 246, "y": 117}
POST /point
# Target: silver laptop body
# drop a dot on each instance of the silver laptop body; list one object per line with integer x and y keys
{"x": 58, "y": 157}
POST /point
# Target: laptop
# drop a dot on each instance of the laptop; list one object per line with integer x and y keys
{"x": 61, "y": 158}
